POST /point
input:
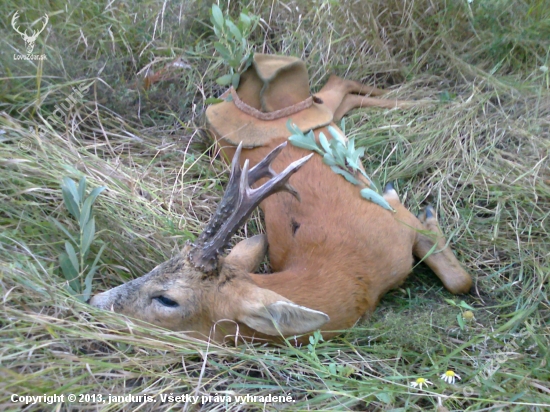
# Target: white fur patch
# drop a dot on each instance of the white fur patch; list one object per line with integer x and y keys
{"x": 282, "y": 303}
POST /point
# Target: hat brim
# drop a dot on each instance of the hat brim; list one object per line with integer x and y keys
{"x": 234, "y": 126}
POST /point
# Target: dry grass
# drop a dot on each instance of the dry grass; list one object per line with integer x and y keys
{"x": 480, "y": 155}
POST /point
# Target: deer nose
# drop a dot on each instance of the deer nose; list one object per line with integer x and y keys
{"x": 102, "y": 301}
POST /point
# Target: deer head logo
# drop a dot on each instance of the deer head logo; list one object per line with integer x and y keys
{"x": 29, "y": 40}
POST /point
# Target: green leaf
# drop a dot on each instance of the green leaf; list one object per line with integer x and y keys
{"x": 60, "y": 226}
{"x": 245, "y": 22}
{"x": 304, "y": 142}
{"x": 217, "y": 16}
{"x": 225, "y": 80}
{"x": 70, "y": 204}
{"x": 82, "y": 188}
{"x": 383, "y": 397}
{"x": 324, "y": 142}
{"x": 352, "y": 161}
{"x": 70, "y": 197}
{"x": 445, "y": 96}
{"x": 223, "y": 50}
{"x": 338, "y": 151}
{"x": 348, "y": 176}
{"x": 88, "y": 234}
{"x": 236, "y": 78}
{"x": 460, "y": 320}
{"x": 235, "y": 62}
{"x": 213, "y": 100}
{"x": 374, "y": 197}
{"x": 248, "y": 59}
{"x": 351, "y": 145}
{"x": 318, "y": 336}
{"x": 234, "y": 30}
{"x": 343, "y": 126}
{"x": 96, "y": 192}
{"x": 67, "y": 267}
{"x": 90, "y": 276}
{"x": 336, "y": 134}
{"x": 292, "y": 128}
{"x": 464, "y": 305}
{"x": 450, "y": 302}
{"x": 71, "y": 187}
{"x": 359, "y": 153}
{"x": 86, "y": 210}
{"x": 69, "y": 289}
{"x": 72, "y": 257}
{"x": 368, "y": 179}
{"x": 217, "y": 30}
{"x": 329, "y": 160}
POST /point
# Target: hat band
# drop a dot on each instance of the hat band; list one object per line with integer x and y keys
{"x": 277, "y": 114}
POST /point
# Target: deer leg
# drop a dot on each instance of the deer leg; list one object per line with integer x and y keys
{"x": 337, "y": 89}
{"x": 333, "y": 92}
{"x": 341, "y": 96}
{"x": 355, "y": 101}
{"x": 430, "y": 245}
{"x": 359, "y": 88}
{"x": 438, "y": 255}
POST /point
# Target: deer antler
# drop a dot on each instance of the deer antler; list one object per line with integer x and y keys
{"x": 238, "y": 203}
{"x": 36, "y": 33}
{"x": 14, "y": 22}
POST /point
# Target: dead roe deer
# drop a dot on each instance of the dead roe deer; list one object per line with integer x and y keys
{"x": 333, "y": 253}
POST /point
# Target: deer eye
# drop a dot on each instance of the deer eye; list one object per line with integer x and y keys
{"x": 163, "y": 300}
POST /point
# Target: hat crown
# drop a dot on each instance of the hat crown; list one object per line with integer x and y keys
{"x": 274, "y": 82}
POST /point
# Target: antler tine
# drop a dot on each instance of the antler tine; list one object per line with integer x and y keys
{"x": 229, "y": 199}
{"x": 263, "y": 169}
{"x": 14, "y": 22}
{"x": 237, "y": 204}
{"x": 46, "y": 19}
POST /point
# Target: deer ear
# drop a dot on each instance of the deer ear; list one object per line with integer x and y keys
{"x": 274, "y": 315}
{"x": 248, "y": 253}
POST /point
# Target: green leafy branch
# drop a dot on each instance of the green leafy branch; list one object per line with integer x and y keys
{"x": 341, "y": 156}
{"x": 232, "y": 44}
{"x": 74, "y": 263}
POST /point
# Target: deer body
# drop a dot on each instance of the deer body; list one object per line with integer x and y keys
{"x": 333, "y": 253}
{"x": 339, "y": 254}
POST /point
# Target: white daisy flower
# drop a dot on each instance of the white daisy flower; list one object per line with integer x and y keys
{"x": 450, "y": 377}
{"x": 419, "y": 382}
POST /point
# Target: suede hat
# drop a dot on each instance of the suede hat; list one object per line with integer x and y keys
{"x": 271, "y": 91}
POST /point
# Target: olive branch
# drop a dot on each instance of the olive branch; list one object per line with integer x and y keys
{"x": 341, "y": 156}
{"x": 232, "y": 44}
{"x": 75, "y": 265}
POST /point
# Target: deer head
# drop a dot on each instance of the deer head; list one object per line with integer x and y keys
{"x": 29, "y": 40}
{"x": 197, "y": 288}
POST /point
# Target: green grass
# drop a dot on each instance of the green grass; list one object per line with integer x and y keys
{"x": 480, "y": 156}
